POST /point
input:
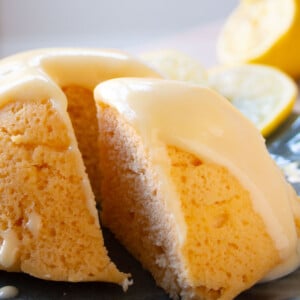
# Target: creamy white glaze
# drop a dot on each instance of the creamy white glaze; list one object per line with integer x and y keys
{"x": 9, "y": 248}
{"x": 34, "y": 223}
{"x": 204, "y": 123}
{"x": 8, "y": 291}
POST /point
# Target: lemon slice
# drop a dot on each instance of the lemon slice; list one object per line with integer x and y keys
{"x": 263, "y": 31}
{"x": 176, "y": 65}
{"x": 263, "y": 94}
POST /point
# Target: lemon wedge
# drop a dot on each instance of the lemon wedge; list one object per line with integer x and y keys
{"x": 265, "y": 32}
{"x": 262, "y": 93}
{"x": 176, "y": 65}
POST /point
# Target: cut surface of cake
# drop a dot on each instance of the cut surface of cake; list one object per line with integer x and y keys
{"x": 189, "y": 188}
{"x": 49, "y": 225}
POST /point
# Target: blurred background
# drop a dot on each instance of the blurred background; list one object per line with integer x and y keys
{"x": 127, "y": 24}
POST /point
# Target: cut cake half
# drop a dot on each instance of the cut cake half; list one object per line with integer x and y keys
{"x": 190, "y": 190}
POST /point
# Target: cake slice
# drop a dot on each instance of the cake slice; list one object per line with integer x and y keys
{"x": 48, "y": 223}
{"x": 190, "y": 190}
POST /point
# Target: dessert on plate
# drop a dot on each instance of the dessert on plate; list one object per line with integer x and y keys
{"x": 190, "y": 190}
{"x": 184, "y": 181}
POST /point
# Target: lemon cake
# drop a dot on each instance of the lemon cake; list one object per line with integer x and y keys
{"x": 49, "y": 224}
{"x": 190, "y": 190}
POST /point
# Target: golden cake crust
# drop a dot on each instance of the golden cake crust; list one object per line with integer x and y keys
{"x": 132, "y": 208}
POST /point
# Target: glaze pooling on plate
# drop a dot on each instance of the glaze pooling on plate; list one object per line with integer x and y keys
{"x": 8, "y": 292}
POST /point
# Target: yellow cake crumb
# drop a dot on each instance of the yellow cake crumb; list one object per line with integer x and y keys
{"x": 82, "y": 111}
{"x": 46, "y": 225}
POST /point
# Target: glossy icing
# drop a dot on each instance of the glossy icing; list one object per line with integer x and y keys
{"x": 204, "y": 123}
